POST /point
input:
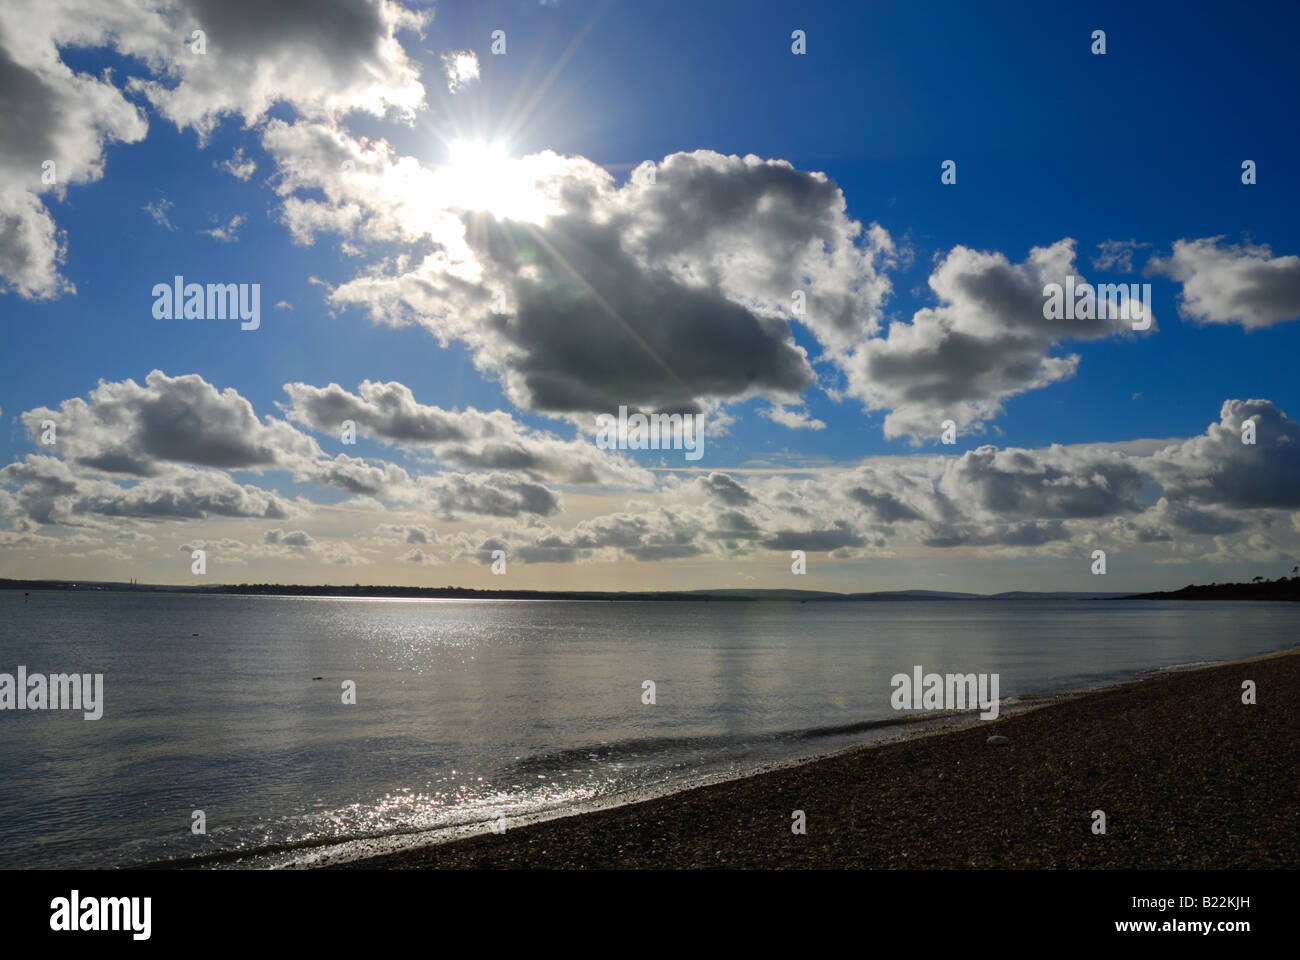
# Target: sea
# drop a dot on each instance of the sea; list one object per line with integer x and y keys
{"x": 267, "y": 731}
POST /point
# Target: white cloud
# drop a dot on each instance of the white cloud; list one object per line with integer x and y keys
{"x": 163, "y": 449}
{"x": 1232, "y": 284}
{"x": 1116, "y": 256}
{"x": 228, "y": 233}
{"x": 57, "y": 125}
{"x": 1218, "y": 468}
{"x": 467, "y": 439}
{"x": 325, "y": 61}
{"x": 158, "y": 211}
{"x": 793, "y": 419}
{"x": 461, "y": 68}
{"x": 987, "y": 341}
{"x": 239, "y": 166}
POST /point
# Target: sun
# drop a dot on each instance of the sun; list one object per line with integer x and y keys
{"x": 481, "y": 175}
{"x": 473, "y": 154}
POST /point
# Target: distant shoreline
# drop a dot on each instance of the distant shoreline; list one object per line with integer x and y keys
{"x": 1281, "y": 589}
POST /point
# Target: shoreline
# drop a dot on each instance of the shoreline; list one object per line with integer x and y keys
{"x": 1187, "y": 775}
{"x": 315, "y": 854}
{"x": 334, "y": 853}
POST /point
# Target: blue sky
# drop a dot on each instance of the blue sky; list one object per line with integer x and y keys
{"x": 1051, "y": 142}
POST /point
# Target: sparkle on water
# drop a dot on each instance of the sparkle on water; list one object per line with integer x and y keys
{"x": 470, "y": 710}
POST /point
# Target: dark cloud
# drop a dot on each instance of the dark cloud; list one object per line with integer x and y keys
{"x": 884, "y": 507}
{"x": 840, "y": 534}
{"x": 593, "y": 329}
{"x": 726, "y": 490}
{"x": 1027, "y": 534}
{"x": 1056, "y": 484}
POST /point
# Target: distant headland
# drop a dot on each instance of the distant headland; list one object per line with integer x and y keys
{"x": 1283, "y": 588}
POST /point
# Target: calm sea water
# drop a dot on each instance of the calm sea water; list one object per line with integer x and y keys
{"x": 470, "y": 709}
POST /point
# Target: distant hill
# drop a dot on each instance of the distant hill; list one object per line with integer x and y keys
{"x": 1059, "y": 595}
{"x": 464, "y": 593}
{"x": 827, "y": 595}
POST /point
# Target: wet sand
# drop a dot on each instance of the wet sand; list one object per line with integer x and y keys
{"x": 1188, "y": 777}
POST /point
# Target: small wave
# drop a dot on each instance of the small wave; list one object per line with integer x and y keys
{"x": 620, "y": 751}
{"x": 1190, "y": 665}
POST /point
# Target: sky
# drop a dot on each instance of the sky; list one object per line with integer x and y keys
{"x": 824, "y": 234}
